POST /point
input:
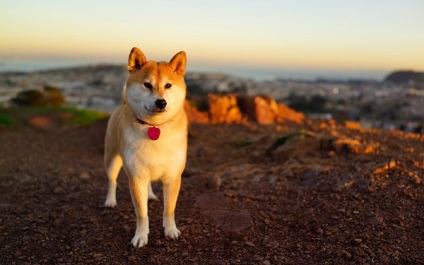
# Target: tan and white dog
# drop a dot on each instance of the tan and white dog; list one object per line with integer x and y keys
{"x": 147, "y": 135}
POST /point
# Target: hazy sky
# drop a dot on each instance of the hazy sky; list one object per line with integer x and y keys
{"x": 326, "y": 34}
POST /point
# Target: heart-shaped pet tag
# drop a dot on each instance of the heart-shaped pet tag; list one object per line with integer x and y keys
{"x": 153, "y": 133}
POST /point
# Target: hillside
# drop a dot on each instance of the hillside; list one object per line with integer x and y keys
{"x": 288, "y": 193}
{"x": 401, "y": 77}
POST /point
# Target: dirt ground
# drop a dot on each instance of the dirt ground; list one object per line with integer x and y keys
{"x": 288, "y": 194}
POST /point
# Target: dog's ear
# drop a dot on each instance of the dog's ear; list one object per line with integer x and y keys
{"x": 136, "y": 60}
{"x": 179, "y": 62}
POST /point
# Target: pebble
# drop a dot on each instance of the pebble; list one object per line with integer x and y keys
{"x": 214, "y": 182}
{"x": 359, "y": 252}
{"x": 58, "y": 190}
{"x": 158, "y": 243}
{"x": 250, "y": 244}
{"x": 358, "y": 240}
{"x": 98, "y": 256}
{"x": 273, "y": 179}
{"x": 341, "y": 211}
{"x": 132, "y": 258}
{"x": 84, "y": 176}
{"x": 347, "y": 254}
{"x": 258, "y": 177}
{"x": 273, "y": 244}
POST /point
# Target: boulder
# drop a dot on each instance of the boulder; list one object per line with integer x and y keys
{"x": 287, "y": 114}
{"x": 194, "y": 115}
{"x": 224, "y": 109}
{"x": 265, "y": 110}
{"x": 237, "y": 109}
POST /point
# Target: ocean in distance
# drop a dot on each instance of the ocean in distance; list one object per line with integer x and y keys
{"x": 258, "y": 74}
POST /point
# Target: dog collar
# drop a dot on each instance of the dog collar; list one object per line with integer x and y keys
{"x": 153, "y": 132}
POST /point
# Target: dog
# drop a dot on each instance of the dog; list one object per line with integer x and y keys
{"x": 147, "y": 135}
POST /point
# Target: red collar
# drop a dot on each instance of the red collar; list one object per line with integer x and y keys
{"x": 143, "y": 122}
{"x": 146, "y": 123}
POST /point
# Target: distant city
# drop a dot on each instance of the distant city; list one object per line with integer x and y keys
{"x": 389, "y": 101}
{"x": 258, "y": 74}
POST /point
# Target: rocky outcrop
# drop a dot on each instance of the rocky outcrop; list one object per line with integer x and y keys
{"x": 195, "y": 115}
{"x": 287, "y": 114}
{"x": 233, "y": 108}
{"x": 224, "y": 109}
{"x": 261, "y": 109}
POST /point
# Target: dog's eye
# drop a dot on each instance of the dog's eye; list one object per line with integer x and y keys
{"x": 148, "y": 85}
{"x": 168, "y": 85}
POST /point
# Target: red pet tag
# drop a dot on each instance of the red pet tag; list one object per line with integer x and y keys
{"x": 153, "y": 133}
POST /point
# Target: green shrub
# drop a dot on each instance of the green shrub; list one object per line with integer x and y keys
{"x": 5, "y": 120}
{"x": 84, "y": 116}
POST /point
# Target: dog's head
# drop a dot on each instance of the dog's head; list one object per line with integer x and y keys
{"x": 155, "y": 91}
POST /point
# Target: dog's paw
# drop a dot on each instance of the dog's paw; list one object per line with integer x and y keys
{"x": 110, "y": 202}
{"x": 139, "y": 240}
{"x": 153, "y": 197}
{"x": 172, "y": 233}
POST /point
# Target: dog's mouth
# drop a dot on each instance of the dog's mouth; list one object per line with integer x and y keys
{"x": 155, "y": 110}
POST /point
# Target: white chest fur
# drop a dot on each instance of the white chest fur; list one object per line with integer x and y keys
{"x": 155, "y": 160}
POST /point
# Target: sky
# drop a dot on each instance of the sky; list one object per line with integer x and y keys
{"x": 360, "y": 35}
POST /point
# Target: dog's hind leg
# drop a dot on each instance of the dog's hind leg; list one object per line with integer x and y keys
{"x": 113, "y": 167}
{"x": 152, "y": 195}
{"x": 170, "y": 196}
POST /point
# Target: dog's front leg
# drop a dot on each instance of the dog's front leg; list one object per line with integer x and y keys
{"x": 170, "y": 196}
{"x": 139, "y": 194}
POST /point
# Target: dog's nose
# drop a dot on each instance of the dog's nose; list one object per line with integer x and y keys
{"x": 160, "y": 103}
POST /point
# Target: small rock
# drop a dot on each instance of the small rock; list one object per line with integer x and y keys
{"x": 358, "y": 240}
{"x": 132, "y": 258}
{"x": 273, "y": 179}
{"x": 374, "y": 221}
{"x": 250, "y": 244}
{"x": 346, "y": 254}
{"x": 40, "y": 122}
{"x": 58, "y": 190}
{"x": 79, "y": 243}
{"x": 158, "y": 243}
{"x": 273, "y": 244}
{"x": 258, "y": 177}
{"x": 98, "y": 256}
{"x": 67, "y": 171}
{"x": 214, "y": 182}
{"x": 342, "y": 211}
{"x": 84, "y": 176}
{"x": 359, "y": 252}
